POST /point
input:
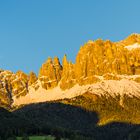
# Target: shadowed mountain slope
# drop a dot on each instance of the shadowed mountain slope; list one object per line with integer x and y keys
{"x": 86, "y": 116}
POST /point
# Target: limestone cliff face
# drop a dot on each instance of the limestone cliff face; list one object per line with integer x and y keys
{"x": 95, "y": 61}
{"x": 133, "y": 38}
{"x": 14, "y": 84}
{"x": 32, "y": 78}
{"x": 68, "y": 74}
{"x": 50, "y": 73}
{"x": 103, "y": 58}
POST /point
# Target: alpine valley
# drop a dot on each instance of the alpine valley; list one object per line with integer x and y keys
{"x": 95, "y": 98}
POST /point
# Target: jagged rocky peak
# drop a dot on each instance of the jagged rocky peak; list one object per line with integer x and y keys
{"x": 14, "y": 84}
{"x": 32, "y": 78}
{"x": 96, "y": 61}
{"x": 65, "y": 61}
{"x": 133, "y": 38}
{"x": 9, "y": 84}
{"x": 58, "y": 68}
{"x": 50, "y": 73}
{"x": 102, "y": 58}
{"x": 68, "y": 74}
{"x": 21, "y": 75}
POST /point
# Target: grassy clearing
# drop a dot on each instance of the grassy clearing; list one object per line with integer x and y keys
{"x": 39, "y": 138}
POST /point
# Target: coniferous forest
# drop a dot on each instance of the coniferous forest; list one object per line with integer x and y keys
{"x": 83, "y": 117}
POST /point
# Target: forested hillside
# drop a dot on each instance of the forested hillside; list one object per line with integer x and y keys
{"x": 86, "y": 116}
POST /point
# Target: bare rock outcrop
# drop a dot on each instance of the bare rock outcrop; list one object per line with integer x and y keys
{"x": 103, "y": 58}
{"x": 68, "y": 75}
{"x": 96, "y": 61}
{"x": 50, "y": 73}
{"x": 32, "y": 78}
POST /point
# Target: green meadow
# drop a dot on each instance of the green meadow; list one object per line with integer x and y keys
{"x": 38, "y": 138}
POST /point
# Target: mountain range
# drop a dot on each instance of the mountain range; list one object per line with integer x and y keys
{"x": 104, "y": 80}
{"x": 101, "y": 67}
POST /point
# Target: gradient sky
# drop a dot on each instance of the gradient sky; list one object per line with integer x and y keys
{"x": 33, "y": 30}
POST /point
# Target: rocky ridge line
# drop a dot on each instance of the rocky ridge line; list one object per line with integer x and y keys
{"x": 95, "y": 61}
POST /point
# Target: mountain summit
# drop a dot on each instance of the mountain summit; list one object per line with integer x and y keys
{"x": 101, "y": 68}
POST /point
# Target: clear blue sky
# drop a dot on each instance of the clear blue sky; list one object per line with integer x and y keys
{"x": 33, "y": 30}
